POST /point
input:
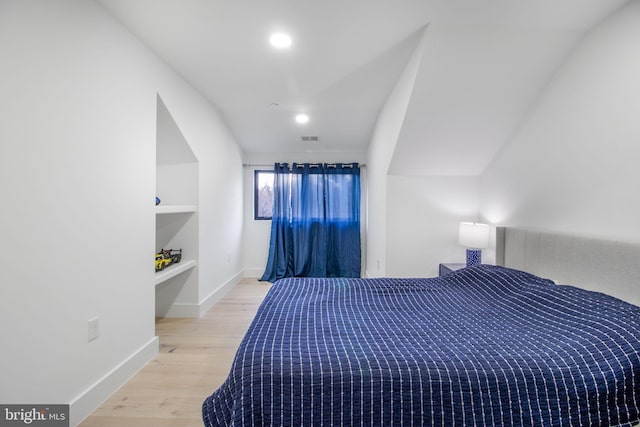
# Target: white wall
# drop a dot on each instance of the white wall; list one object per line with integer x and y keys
{"x": 78, "y": 107}
{"x": 423, "y": 215}
{"x": 412, "y": 222}
{"x": 572, "y": 167}
{"x": 383, "y": 142}
{"x": 256, "y": 232}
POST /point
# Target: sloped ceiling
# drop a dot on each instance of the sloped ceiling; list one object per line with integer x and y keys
{"x": 483, "y": 64}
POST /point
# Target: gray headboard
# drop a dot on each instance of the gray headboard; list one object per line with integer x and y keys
{"x": 599, "y": 265}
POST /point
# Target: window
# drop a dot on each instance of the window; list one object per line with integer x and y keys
{"x": 263, "y": 194}
{"x": 315, "y": 228}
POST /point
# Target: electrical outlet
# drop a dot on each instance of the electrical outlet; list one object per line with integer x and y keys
{"x": 94, "y": 328}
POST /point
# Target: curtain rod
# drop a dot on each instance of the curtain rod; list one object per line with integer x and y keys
{"x": 250, "y": 165}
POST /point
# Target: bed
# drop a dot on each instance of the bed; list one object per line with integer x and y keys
{"x": 485, "y": 346}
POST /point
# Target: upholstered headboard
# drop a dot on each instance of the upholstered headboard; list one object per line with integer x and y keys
{"x": 599, "y": 265}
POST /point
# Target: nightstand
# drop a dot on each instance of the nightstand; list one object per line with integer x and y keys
{"x": 448, "y": 268}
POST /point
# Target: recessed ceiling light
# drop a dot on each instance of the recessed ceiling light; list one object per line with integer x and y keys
{"x": 280, "y": 40}
{"x": 302, "y": 118}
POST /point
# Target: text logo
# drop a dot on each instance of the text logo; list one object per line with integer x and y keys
{"x": 34, "y": 415}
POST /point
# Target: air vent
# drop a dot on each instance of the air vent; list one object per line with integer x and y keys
{"x": 309, "y": 138}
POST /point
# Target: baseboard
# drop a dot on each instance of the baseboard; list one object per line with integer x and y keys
{"x": 253, "y": 273}
{"x": 215, "y": 296}
{"x": 178, "y": 309}
{"x": 181, "y": 309}
{"x": 82, "y": 406}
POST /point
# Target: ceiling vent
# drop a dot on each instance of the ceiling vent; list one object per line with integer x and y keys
{"x": 309, "y": 138}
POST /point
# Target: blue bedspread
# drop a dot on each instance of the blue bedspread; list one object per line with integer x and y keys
{"x": 484, "y": 346}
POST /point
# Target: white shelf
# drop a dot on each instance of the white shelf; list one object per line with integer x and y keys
{"x": 170, "y": 209}
{"x": 174, "y": 270}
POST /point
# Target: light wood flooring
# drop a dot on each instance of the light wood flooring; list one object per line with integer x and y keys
{"x": 195, "y": 358}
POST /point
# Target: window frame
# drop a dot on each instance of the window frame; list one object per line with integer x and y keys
{"x": 256, "y": 194}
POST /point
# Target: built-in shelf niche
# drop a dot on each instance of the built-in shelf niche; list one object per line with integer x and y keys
{"x": 176, "y": 215}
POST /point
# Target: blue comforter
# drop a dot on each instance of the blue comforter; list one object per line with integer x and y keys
{"x": 484, "y": 346}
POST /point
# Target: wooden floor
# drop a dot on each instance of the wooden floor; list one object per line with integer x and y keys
{"x": 195, "y": 358}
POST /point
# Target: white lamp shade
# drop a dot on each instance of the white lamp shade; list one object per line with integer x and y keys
{"x": 473, "y": 235}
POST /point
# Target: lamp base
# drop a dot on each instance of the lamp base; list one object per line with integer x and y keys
{"x": 474, "y": 257}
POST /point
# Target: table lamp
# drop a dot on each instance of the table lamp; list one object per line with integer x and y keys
{"x": 475, "y": 237}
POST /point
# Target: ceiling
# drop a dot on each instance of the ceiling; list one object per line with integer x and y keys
{"x": 482, "y": 64}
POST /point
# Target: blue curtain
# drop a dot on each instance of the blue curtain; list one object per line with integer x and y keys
{"x": 315, "y": 228}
